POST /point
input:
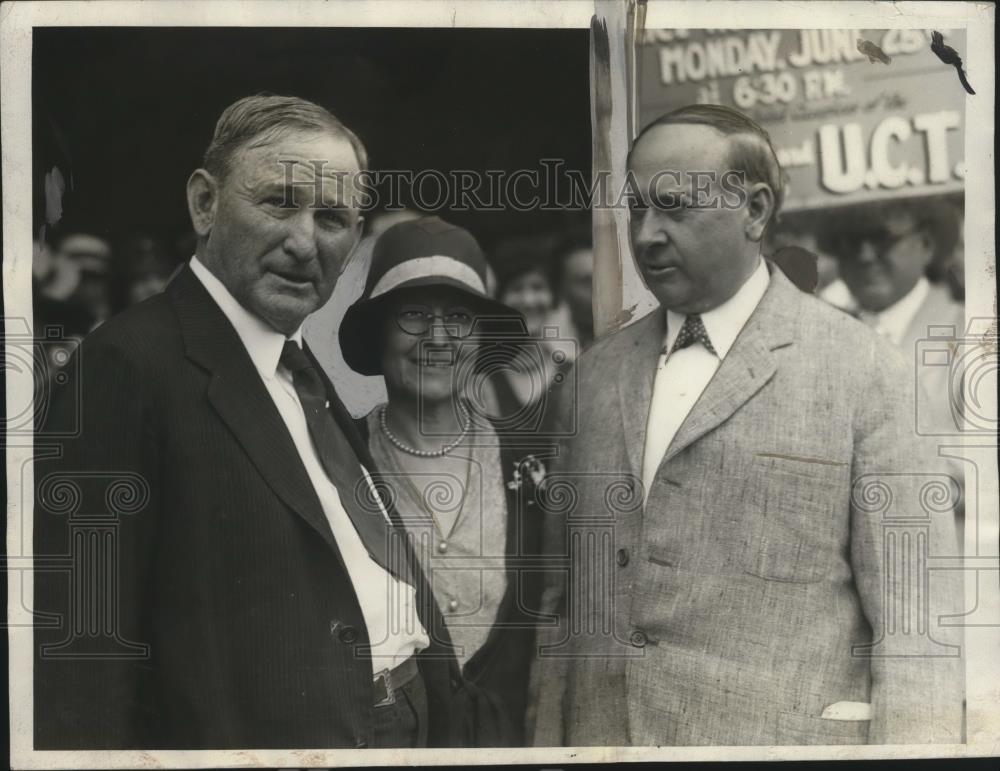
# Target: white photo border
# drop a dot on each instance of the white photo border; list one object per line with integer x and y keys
{"x": 16, "y": 23}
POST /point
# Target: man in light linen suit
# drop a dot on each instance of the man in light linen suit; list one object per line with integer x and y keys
{"x": 751, "y": 506}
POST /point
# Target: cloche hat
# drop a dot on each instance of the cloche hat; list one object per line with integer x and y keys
{"x": 422, "y": 253}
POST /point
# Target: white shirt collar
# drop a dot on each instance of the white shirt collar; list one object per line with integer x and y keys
{"x": 725, "y": 322}
{"x": 262, "y": 341}
{"x": 896, "y": 319}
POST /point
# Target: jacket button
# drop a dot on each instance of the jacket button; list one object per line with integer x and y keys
{"x": 638, "y": 638}
{"x": 348, "y": 634}
{"x": 622, "y": 557}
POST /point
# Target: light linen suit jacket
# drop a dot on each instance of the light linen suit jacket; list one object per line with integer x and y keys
{"x": 763, "y": 581}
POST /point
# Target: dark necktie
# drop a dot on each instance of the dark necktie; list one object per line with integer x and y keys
{"x": 693, "y": 331}
{"x": 338, "y": 459}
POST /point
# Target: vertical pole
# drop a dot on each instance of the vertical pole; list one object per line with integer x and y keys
{"x": 618, "y": 289}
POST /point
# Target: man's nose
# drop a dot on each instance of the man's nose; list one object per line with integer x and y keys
{"x": 648, "y": 229}
{"x": 300, "y": 241}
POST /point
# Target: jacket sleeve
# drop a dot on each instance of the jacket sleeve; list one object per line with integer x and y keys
{"x": 545, "y": 713}
{"x": 902, "y": 502}
{"x": 95, "y": 507}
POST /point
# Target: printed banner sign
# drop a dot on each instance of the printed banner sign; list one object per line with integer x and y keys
{"x": 855, "y": 115}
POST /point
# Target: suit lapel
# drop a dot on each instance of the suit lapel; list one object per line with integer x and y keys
{"x": 743, "y": 372}
{"x": 239, "y": 396}
{"x": 635, "y": 382}
{"x": 747, "y": 367}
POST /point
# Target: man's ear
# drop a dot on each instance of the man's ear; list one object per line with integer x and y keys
{"x": 760, "y": 209}
{"x": 203, "y": 201}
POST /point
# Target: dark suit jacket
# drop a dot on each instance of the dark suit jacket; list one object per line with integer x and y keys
{"x": 501, "y": 667}
{"x": 211, "y": 605}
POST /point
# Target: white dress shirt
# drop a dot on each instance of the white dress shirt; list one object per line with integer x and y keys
{"x": 682, "y": 376}
{"x": 388, "y": 605}
{"x": 837, "y": 294}
{"x": 896, "y": 319}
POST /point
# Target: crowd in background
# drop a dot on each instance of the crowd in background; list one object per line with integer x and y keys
{"x": 81, "y": 277}
{"x": 818, "y": 231}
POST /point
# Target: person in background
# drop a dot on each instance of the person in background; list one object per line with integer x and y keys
{"x": 887, "y": 253}
{"x": 145, "y": 268}
{"x": 56, "y": 321}
{"x": 954, "y": 265}
{"x": 526, "y": 281}
{"x": 457, "y": 483}
{"x": 92, "y": 256}
{"x": 575, "y": 261}
{"x": 526, "y": 278}
{"x": 54, "y": 279}
{"x": 800, "y": 229}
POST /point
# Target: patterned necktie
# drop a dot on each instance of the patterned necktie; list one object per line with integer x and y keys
{"x": 693, "y": 331}
{"x": 337, "y": 457}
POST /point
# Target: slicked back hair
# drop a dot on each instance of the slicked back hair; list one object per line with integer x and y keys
{"x": 750, "y": 148}
{"x": 257, "y": 120}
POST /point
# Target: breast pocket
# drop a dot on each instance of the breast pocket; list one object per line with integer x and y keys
{"x": 798, "y": 522}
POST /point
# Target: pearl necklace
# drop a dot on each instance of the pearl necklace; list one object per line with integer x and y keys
{"x": 401, "y": 445}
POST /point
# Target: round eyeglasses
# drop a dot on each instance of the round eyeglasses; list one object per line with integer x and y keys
{"x": 418, "y": 319}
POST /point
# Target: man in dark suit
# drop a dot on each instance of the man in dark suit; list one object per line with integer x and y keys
{"x": 213, "y": 566}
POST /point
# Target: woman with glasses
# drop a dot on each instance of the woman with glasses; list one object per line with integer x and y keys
{"x": 464, "y": 494}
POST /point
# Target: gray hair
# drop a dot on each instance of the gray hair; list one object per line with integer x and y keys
{"x": 257, "y": 120}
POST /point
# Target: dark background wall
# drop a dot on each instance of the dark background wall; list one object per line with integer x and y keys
{"x": 127, "y": 112}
